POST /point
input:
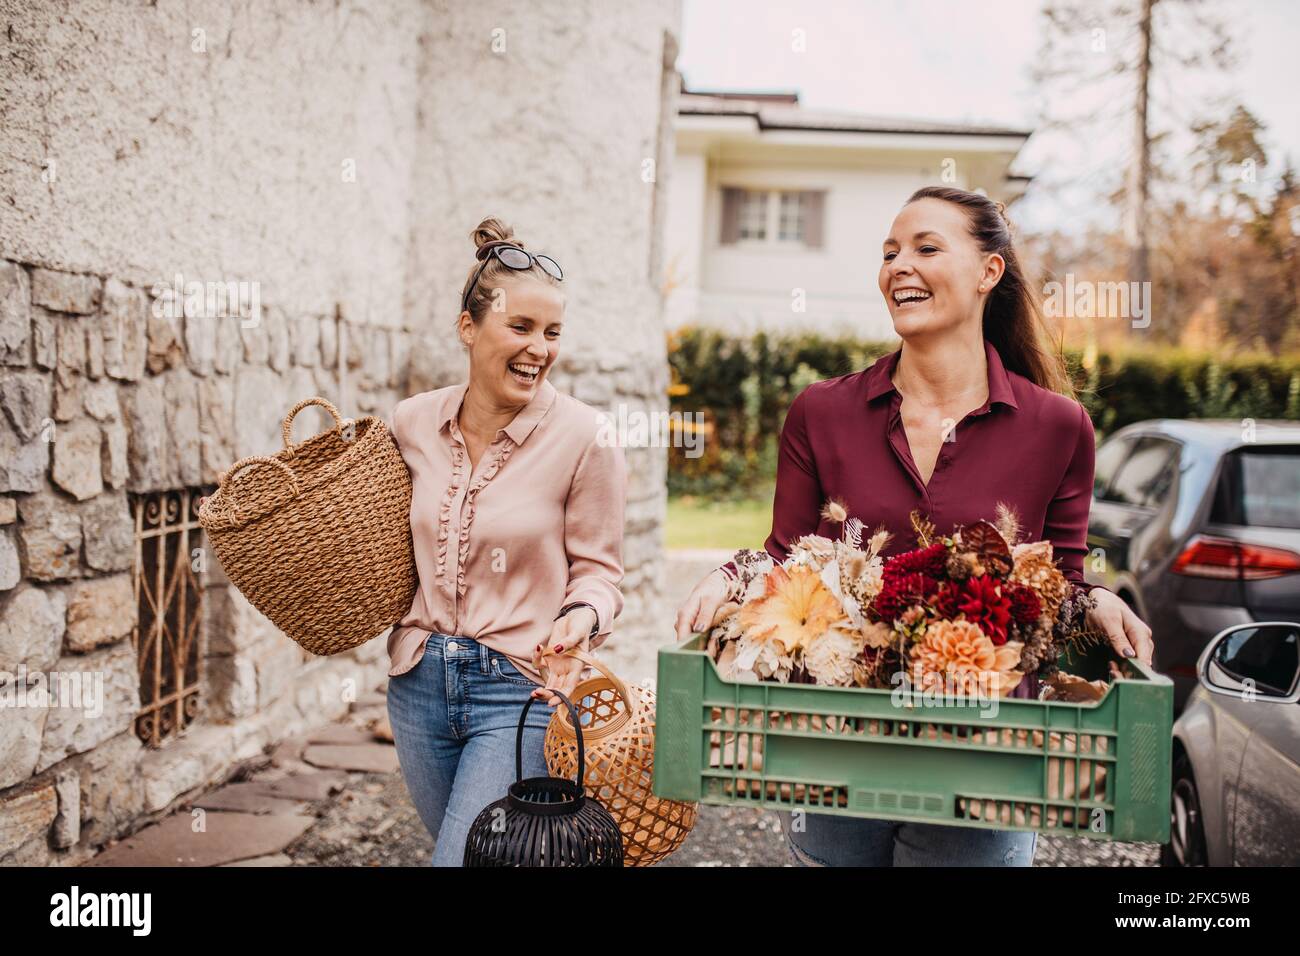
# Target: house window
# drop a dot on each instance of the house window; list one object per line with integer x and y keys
{"x": 169, "y": 636}
{"x": 790, "y": 224}
{"x": 753, "y": 215}
{"x": 777, "y": 217}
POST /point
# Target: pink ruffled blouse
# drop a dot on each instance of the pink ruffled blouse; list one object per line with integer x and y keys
{"x": 500, "y": 548}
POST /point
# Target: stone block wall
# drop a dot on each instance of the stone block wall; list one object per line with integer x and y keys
{"x": 105, "y": 395}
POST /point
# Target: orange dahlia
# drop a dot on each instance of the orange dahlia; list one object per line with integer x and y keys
{"x": 957, "y": 655}
{"x": 796, "y": 607}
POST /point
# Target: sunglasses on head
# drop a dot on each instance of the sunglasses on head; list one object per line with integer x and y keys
{"x": 512, "y": 257}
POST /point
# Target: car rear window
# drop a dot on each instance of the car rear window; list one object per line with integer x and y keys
{"x": 1260, "y": 486}
{"x": 1145, "y": 476}
{"x": 1110, "y": 455}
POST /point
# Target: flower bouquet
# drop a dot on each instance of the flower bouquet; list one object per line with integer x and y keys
{"x": 970, "y": 613}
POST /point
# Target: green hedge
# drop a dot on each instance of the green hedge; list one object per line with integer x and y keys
{"x": 744, "y": 386}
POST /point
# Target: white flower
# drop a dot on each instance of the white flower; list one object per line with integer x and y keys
{"x": 874, "y": 579}
{"x": 830, "y": 575}
{"x": 811, "y": 551}
{"x": 766, "y": 659}
{"x": 829, "y": 658}
{"x": 727, "y": 662}
{"x": 753, "y": 590}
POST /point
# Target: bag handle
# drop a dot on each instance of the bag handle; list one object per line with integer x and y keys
{"x": 243, "y": 463}
{"x": 619, "y": 687}
{"x": 287, "y": 429}
{"x": 519, "y": 739}
{"x": 226, "y": 478}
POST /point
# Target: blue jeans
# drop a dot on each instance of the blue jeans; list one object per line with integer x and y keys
{"x": 828, "y": 840}
{"x": 454, "y": 717}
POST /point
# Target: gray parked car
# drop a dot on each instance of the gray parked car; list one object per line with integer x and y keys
{"x": 1196, "y": 524}
{"x": 1236, "y": 752}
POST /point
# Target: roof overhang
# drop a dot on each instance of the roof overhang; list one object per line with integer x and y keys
{"x": 701, "y": 131}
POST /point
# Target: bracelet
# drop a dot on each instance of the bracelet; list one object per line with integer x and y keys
{"x": 595, "y": 628}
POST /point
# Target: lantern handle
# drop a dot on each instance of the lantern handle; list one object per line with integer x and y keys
{"x": 519, "y": 737}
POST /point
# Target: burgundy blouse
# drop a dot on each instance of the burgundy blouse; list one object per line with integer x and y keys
{"x": 1027, "y": 446}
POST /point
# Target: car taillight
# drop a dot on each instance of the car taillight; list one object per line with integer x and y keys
{"x": 1220, "y": 558}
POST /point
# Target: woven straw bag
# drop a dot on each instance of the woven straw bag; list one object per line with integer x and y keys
{"x": 318, "y": 536}
{"x": 618, "y": 726}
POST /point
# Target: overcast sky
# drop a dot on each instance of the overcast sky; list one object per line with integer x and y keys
{"x": 963, "y": 60}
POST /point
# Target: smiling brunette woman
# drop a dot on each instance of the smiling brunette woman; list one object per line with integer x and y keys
{"x": 517, "y": 523}
{"x": 974, "y": 409}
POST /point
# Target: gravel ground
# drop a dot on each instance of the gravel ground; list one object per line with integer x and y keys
{"x": 373, "y": 823}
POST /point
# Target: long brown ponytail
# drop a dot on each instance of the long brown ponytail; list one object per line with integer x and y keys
{"x": 1013, "y": 319}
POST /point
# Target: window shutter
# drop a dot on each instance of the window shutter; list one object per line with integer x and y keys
{"x": 814, "y": 206}
{"x": 730, "y": 215}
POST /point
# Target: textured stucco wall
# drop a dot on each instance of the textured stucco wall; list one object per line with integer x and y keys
{"x": 222, "y": 164}
{"x": 549, "y": 116}
{"x": 490, "y": 146}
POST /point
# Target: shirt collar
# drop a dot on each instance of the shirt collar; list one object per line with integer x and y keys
{"x": 879, "y": 383}
{"x": 521, "y": 426}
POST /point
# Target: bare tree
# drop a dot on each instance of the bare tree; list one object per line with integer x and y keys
{"x": 1099, "y": 67}
{"x": 1139, "y": 176}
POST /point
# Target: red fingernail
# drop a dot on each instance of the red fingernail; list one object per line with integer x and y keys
{"x": 557, "y": 648}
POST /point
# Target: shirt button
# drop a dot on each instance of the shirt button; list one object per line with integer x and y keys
{"x": 451, "y": 646}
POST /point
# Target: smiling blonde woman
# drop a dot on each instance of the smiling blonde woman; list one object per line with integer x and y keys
{"x": 517, "y": 524}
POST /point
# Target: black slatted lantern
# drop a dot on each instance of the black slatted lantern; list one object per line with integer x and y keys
{"x": 544, "y": 821}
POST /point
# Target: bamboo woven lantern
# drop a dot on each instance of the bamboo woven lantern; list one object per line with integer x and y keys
{"x": 544, "y": 821}
{"x": 618, "y": 724}
{"x": 318, "y": 536}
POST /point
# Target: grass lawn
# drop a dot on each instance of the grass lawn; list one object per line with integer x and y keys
{"x": 698, "y": 523}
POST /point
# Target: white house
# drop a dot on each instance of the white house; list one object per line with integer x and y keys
{"x": 777, "y": 213}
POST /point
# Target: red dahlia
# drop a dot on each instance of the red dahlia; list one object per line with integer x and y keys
{"x": 931, "y": 561}
{"x": 983, "y": 605}
{"x": 1026, "y": 607}
{"x": 901, "y": 592}
{"x": 945, "y": 601}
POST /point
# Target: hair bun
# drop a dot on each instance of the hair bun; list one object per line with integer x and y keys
{"x": 487, "y": 247}
{"x": 492, "y": 232}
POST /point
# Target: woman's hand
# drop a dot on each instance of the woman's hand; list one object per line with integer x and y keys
{"x": 696, "y": 613}
{"x": 1127, "y": 633}
{"x": 563, "y": 670}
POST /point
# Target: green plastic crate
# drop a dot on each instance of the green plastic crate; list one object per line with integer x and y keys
{"x": 1099, "y": 770}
